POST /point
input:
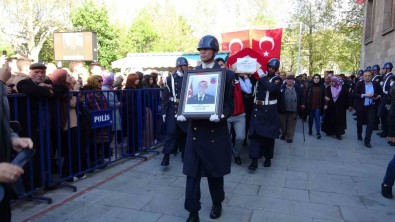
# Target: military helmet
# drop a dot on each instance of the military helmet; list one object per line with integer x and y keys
{"x": 388, "y": 65}
{"x": 275, "y": 63}
{"x": 181, "y": 61}
{"x": 360, "y": 72}
{"x": 208, "y": 42}
{"x": 376, "y": 68}
{"x": 368, "y": 68}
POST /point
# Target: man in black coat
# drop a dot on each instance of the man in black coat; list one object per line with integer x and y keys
{"x": 41, "y": 100}
{"x": 208, "y": 150}
{"x": 367, "y": 95}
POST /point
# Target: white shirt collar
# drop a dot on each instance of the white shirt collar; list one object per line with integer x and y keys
{"x": 208, "y": 65}
{"x": 180, "y": 74}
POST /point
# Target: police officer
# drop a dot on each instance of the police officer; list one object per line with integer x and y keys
{"x": 175, "y": 131}
{"x": 379, "y": 79}
{"x": 265, "y": 123}
{"x": 388, "y": 79}
{"x": 376, "y": 74}
{"x": 208, "y": 151}
{"x": 359, "y": 76}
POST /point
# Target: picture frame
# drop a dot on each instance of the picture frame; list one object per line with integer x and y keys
{"x": 202, "y": 93}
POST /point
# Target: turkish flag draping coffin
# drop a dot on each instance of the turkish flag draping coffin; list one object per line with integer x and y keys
{"x": 235, "y": 41}
{"x": 251, "y": 53}
{"x": 267, "y": 42}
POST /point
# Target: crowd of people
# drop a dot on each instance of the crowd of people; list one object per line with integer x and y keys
{"x": 268, "y": 107}
{"x": 257, "y": 109}
{"x": 55, "y": 112}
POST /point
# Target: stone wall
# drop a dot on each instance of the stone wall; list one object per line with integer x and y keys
{"x": 376, "y": 47}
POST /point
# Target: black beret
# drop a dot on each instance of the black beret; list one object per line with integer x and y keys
{"x": 37, "y": 66}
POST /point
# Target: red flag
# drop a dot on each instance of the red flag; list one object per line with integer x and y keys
{"x": 235, "y": 41}
{"x": 190, "y": 90}
{"x": 267, "y": 42}
{"x": 251, "y": 53}
{"x": 360, "y": 1}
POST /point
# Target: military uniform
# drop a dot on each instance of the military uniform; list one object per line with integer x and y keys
{"x": 175, "y": 131}
{"x": 208, "y": 151}
{"x": 265, "y": 123}
{"x": 385, "y": 100}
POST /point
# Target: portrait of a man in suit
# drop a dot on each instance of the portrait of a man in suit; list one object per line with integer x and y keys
{"x": 202, "y": 97}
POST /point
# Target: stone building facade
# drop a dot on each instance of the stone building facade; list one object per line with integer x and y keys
{"x": 378, "y": 43}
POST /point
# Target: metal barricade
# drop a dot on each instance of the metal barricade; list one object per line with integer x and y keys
{"x": 78, "y": 132}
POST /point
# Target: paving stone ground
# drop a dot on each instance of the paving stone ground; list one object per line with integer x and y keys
{"x": 313, "y": 181}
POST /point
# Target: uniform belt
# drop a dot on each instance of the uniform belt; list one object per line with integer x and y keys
{"x": 262, "y": 103}
{"x": 174, "y": 100}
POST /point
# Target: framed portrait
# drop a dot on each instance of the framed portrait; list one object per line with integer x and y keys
{"x": 202, "y": 94}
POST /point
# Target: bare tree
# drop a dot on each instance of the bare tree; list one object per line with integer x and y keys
{"x": 28, "y": 23}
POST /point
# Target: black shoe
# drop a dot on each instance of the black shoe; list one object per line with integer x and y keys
{"x": 289, "y": 140}
{"x": 282, "y": 137}
{"x": 382, "y": 134}
{"x": 386, "y": 191}
{"x": 368, "y": 145}
{"x": 193, "y": 217}
{"x": 318, "y": 136}
{"x": 391, "y": 143}
{"x": 238, "y": 160}
{"x": 339, "y": 137}
{"x": 253, "y": 165}
{"x": 165, "y": 161}
{"x": 310, "y": 132}
{"x": 267, "y": 163}
{"x": 216, "y": 210}
{"x": 359, "y": 137}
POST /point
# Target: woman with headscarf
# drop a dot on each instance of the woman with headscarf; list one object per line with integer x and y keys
{"x": 314, "y": 104}
{"x": 336, "y": 102}
{"x": 72, "y": 152}
{"x": 114, "y": 104}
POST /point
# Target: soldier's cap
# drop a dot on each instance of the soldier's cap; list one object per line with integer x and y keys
{"x": 290, "y": 76}
{"x": 37, "y": 66}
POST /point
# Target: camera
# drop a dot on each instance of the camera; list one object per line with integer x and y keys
{"x": 4, "y": 53}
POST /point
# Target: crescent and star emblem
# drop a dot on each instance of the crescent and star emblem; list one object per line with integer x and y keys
{"x": 236, "y": 40}
{"x": 266, "y": 39}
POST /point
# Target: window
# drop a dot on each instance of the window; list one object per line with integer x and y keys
{"x": 369, "y": 21}
{"x": 388, "y": 16}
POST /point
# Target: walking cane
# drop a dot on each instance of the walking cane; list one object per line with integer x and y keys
{"x": 304, "y": 137}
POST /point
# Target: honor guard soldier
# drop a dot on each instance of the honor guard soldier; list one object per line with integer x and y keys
{"x": 388, "y": 79}
{"x": 376, "y": 74}
{"x": 265, "y": 122}
{"x": 208, "y": 150}
{"x": 175, "y": 131}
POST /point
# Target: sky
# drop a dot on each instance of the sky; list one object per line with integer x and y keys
{"x": 223, "y": 21}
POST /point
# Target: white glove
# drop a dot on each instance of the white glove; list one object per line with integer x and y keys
{"x": 388, "y": 107}
{"x": 261, "y": 73}
{"x": 181, "y": 118}
{"x": 164, "y": 118}
{"x": 214, "y": 118}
